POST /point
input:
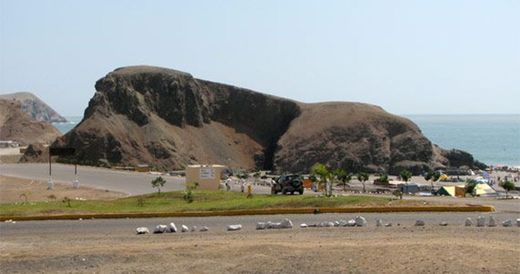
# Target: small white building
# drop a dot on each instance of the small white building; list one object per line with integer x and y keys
{"x": 207, "y": 176}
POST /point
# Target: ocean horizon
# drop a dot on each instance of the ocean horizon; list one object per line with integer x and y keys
{"x": 493, "y": 139}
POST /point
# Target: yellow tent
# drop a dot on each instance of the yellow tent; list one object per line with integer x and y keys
{"x": 483, "y": 190}
{"x": 443, "y": 178}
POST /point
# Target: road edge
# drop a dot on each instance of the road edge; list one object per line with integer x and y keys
{"x": 269, "y": 211}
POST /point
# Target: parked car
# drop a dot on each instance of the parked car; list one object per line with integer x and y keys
{"x": 288, "y": 184}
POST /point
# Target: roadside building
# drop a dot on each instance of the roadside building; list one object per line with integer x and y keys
{"x": 207, "y": 176}
{"x": 409, "y": 188}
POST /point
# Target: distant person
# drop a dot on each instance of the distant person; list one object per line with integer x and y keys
{"x": 242, "y": 185}
{"x": 228, "y": 184}
{"x": 249, "y": 190}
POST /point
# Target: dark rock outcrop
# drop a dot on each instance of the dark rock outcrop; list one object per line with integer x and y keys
{"x": 35, "y": 153}
{"x": 18, "y": 126}
{"x": 35, "y": 107}
{"x": 170, "y": 119}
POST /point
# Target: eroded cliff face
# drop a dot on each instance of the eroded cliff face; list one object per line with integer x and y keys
{"x": 170, "y": 119}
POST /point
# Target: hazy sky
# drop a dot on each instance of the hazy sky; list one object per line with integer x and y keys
{"x": 407, "y": 56}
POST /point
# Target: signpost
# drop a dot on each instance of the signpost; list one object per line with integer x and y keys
{"x": 61, "y": 151}
{"x": 206, "y": 173}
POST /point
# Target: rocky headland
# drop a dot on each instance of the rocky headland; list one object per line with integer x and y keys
{"x": 16, "y": 125}
{"x": 170, "y": 119}
{"x": 35, "y": 107}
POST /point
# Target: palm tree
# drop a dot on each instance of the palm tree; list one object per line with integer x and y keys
{"x": 362, "y": 177}
{"x": 433, "y": 176}
{"x": 343, "y": 176}
{"x": 325, "y": 175}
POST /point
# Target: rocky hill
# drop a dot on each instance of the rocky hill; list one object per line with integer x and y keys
{"x": 170, "y": 119}
{"x": 35, "y": 107}
{"x": 18, "y": 126}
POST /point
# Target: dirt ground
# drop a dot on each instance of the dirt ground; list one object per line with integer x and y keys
{"x": 17, "y": 190}
{"x": 434, "y": 249}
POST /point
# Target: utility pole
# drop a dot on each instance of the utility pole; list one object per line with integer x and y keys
{"x": 62, "y": 151}
{"x": 75, "y": 183}
{"x": 50, "y": 183}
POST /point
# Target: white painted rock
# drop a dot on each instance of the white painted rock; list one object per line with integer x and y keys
{"x": 468, "y": 222}
{"x": 507, "y": 223}
{"x": 492, "y": 221}
{"x": 142, "y": 230}
{"x": 443, "y": 224}
{"x": 388, "y": 224}
{"x": 271, "y": 225}
{"x": 303, "y": 226}
{"x": 343, "y": 222}
{"x": 379, "y": 222}
{"x": 204, "y": 229}
{"x": 261, "y": 225}
{"x": 336, "y": 223}
{"x": 193, "y": 228}
{"x": 184, "y": 228}
{"x": 286, "y": 223}
{"x": 326, "y": 224}
{"x": 234, "y": 227}
{"x": 172, "y": 227}
{"x": 361, "y": 221}
{"x": 517, "y": 222}
{"x": 481, "y": 221}
{"x": 160, "y": 229}
{"x": 419, "y": 223}
{"x": 351, "y": 222}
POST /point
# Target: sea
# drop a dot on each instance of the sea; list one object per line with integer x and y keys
{"x": 493, "y": 139}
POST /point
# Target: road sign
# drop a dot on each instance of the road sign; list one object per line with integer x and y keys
{"x": 62, "y": 151}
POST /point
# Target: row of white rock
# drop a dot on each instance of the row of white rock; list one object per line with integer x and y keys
{"x": 171, "y": 228}
{"x": 481, "y": 222}
{"x": 286, "y": 223}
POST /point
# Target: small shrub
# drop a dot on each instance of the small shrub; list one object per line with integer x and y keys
{"x": 66, "y": 200}
{"x": 470, "y": 186}
{"x": 398, "y": 193}
{"x": 158, "y": 183}
{"x": 188, "y": 194}
{"x": 140, "y": 202}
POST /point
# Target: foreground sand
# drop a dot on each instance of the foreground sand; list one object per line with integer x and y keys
{"x": 430, "y": 249}
{"x": 13, "y": 190}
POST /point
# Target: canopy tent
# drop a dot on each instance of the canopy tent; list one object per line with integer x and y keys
{"x": 446, "y": 191}
{"x": 453, "y": 191}
{"x": 484, "y": 190}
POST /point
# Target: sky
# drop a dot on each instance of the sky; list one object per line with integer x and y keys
{"x": 410, "y": 57}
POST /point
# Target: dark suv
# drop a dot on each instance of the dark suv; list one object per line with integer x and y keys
{"x": 288, "y": 184}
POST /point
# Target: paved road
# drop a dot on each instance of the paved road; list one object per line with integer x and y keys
{"x": 111, "y": 227}
{"x": 133, "y": 183}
